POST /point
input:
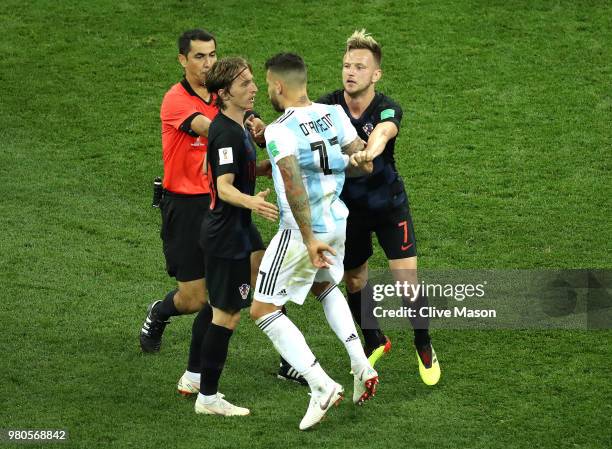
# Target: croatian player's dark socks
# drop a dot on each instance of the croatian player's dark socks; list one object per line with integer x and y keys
{"x": 165, "y": 309}
{"x": 421, "y": 338}
{"x": 361, "y": 304}
{"x": 419, "y": 324}
{"x": 201, "y": 323}
{"x": 214, "y": 353}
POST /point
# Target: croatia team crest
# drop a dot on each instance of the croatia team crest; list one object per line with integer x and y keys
{"x": 368, "y": 128}
{"x": 244, "y": 290}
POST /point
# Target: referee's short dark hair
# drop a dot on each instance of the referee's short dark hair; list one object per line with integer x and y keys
{"x": 184, "y": 41}
{"x": 222, "y": 75}
{"x": 289, "y": 66}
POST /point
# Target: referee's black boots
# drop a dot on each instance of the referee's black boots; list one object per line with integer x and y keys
{"x": 152, "y": 330}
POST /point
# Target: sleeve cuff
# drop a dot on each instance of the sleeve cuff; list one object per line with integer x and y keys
{"x": 186, "y": 125}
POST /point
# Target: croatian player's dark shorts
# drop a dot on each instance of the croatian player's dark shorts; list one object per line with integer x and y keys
{"x": 228, "y": 282}
{"x": 393, "y": 229}
{"x": 257, "y": 243}
{"x": 182, "y": 217}
{"x": 256, "y": 240}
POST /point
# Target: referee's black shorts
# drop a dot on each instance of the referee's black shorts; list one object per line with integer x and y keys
{"x": 393, "y": 228}
{"x": 182, "y": 217}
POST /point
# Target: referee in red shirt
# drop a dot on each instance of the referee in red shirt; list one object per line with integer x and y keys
{"x": 186, "y": 113}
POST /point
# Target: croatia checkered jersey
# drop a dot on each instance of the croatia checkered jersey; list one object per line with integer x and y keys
{"x": 383, "y": 189}
{"x": 315, "y": 135}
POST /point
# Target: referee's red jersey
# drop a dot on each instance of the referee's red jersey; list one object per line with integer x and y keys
{"x": 183, "y": 150}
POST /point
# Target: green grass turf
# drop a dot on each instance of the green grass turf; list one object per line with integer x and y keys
{"x": 505, "y": 149}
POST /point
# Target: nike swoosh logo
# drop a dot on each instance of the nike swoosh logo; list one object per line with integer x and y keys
{"x": 325, "y": 404}
{"x": 404, "y": 248}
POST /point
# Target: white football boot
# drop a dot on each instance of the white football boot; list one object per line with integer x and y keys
{"x": 187, "y": 387}
{"x": 220, "y": 407}
{"x": 364, "y": 385}
{"x": 320, "y": 403}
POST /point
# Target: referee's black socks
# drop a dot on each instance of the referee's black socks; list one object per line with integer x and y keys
{"x": 214, "y": 353}
{"x": 361, "y": 304}
{"x": 165, "y": 309}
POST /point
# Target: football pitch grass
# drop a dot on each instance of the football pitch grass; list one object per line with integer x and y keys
{"x": 505, "y": 150}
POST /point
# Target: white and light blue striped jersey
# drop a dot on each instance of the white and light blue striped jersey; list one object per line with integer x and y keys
{"x": 314, "y": 135}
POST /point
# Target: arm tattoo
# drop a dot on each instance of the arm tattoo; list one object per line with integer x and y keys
{"x": 296, "y": 193}
{"x": 354, "y": 147}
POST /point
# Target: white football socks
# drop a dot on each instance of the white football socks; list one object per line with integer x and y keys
{"x": 204, "y": 399}
{"x": 291, "y": 345}
{"x": 192, "y": 377}
{"x": 339, "y": 317}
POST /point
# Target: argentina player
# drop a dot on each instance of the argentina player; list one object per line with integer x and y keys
{"x": 309, "y": 146}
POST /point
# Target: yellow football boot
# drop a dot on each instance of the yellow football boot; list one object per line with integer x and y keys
{"x": 429, "y": 368}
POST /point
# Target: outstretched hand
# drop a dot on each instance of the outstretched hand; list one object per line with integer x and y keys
{"x": 261, "y": 207}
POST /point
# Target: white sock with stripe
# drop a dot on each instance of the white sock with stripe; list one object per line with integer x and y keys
{"x": 339, "y": 317}
{"x": 291, "y": 345}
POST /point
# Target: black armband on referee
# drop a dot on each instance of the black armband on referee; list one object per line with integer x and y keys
{"x": 186, "y": 125}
